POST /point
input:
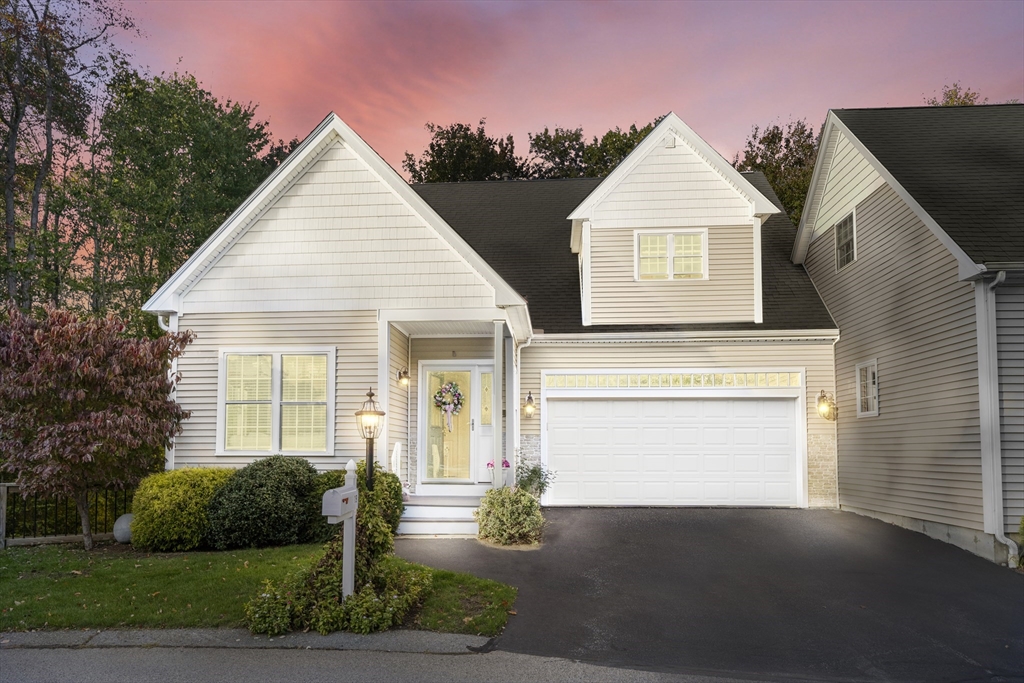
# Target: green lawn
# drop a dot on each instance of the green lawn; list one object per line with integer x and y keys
{"x": 63, "y": 586}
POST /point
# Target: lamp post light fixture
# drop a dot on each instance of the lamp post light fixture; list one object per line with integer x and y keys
{"x": 370, "y": 421}
{"x": 529, "y": 407}
{"x": 827, "y": 406}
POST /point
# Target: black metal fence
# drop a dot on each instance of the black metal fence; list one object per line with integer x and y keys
{"x": 43, "y": 518}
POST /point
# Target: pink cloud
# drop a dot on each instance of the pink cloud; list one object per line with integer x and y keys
{"x": 387, "y": 68}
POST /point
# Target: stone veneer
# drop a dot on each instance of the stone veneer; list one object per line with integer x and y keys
{"x": 822, "y": 485}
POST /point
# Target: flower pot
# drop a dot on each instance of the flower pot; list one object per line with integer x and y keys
{"x": 497, "y": 477}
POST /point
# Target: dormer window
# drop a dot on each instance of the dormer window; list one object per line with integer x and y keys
{"x": 676, "y": 255}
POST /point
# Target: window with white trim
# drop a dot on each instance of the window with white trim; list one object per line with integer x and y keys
{"x": 276, "y": 402}
{"x": 846, "y": 242}
{"x": 867, "y": 388}
{"x": 672, "y": 255}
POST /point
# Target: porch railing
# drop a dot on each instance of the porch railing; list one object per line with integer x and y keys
{"x": 42, "y": 519}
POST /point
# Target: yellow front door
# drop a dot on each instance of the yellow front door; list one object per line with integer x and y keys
{"x": 449, "y": 435}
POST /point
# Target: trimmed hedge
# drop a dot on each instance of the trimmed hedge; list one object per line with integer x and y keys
{"x": 170, "y": 508}
{"x": 266, "y": 503}
{"x": 509, "y": 516}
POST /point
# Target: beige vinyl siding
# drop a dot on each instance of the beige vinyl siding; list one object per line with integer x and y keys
{"x": 398, "y": 396}
{"x": 352, "y": 333}
{"x": 338, "y": 239}
{"x": 901, "y": 303}
{"x": 726, "y": 296}
{"x": 672, "y": 187}
{"x": 814, "y": 357}
{"x": 1010, "y": 349}
{"x": 851, "y": 179}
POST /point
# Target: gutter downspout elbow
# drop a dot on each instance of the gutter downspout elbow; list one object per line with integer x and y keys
{"x": 1013, "y": 551}
{"x": 162, "y": 322}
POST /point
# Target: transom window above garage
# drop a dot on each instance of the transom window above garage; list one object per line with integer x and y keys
{"x": 672, "y": 380}
{"x": 676, "y": 255}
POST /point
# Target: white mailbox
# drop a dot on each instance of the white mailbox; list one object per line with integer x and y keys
{"x": 339, "y": 506}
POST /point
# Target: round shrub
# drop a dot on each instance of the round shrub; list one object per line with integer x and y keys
{"x": 266, "y": 503}
{"x": 170, "y": 508}
{"x": 509, "y": 516}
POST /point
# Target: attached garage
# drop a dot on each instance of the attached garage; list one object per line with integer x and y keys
{"x": 665, "y": 447}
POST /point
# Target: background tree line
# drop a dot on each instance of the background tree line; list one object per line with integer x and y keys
{"x": 113, "y": 177}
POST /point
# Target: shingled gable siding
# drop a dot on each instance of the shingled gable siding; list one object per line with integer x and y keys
{"x": 851, "y": 178}
{"x": 901, "y": 303}
{"x": 1010, "y": 349}
{"x": 338, "y": 239}
{"x": 672, "y": 188}
{"x": 814, "y": 357}
{"x": 353, "y": 333}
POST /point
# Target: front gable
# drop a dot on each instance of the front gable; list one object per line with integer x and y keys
{"x": 334, "y": 228}
{"x": 675, "y": 194}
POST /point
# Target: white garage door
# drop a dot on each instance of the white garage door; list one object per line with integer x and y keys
{"x": 672, "y": 451}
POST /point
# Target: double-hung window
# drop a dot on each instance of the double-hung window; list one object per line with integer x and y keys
{"x": 867, "y": 388}
{"x": 276, "y": 401}
{"x": 677, "y": 255}
{"x": 846, "y": 242}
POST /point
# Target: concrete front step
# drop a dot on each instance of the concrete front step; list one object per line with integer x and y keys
{"x": 439, "y": 516}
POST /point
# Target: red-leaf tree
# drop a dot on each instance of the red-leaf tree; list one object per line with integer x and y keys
{"x": 82, "y": 406}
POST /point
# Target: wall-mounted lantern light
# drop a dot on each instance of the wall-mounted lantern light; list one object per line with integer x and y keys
{"x": 370, "y": 421}
{"x": 827, "y": 406}
{"x": 529, "y": 407}
{"x": 403, "y": 377}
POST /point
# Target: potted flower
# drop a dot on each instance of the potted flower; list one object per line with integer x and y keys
{"x": 498, "y": 474}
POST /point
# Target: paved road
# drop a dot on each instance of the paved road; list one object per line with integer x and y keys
{"x": 180, "y": 665}
{"x": 783, "y": 594}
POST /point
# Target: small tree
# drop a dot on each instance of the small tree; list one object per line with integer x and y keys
{"x": 786, "y": 156}
{"x": 82, "y": 406}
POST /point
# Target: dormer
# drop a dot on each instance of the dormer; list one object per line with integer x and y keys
{"x": 672, "y": 236}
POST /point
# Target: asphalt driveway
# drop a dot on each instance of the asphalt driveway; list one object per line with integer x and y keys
{"x": 776, "y": 594}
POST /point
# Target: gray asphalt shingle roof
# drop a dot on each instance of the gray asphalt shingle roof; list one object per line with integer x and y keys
{"x": 520, "y": 229}
{"x": 963, "y": 165}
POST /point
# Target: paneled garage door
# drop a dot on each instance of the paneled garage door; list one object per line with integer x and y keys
{"x": 672, "y": 451}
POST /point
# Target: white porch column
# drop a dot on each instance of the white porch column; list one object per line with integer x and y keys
{"x": 511, "y": 403}
{"x": 496, "y": 402}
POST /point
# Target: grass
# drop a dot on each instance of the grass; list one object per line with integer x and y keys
{"x": 63, "y": 586}
{"x": 463, "y": 603}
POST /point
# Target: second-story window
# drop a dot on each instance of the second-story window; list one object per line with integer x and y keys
{"x": 846, "y": 242}
{"x": 671, "y": 255}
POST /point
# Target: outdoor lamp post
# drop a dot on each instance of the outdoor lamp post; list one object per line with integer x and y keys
{"x": 370, "y": 421}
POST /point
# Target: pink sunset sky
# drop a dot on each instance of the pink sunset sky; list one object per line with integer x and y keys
{"x": 388, "y": 68}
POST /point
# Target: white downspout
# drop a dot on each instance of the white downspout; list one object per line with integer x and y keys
{"x": 988, "y": 384}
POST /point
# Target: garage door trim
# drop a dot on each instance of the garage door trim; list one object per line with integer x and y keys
{"x": 799, "y": 394}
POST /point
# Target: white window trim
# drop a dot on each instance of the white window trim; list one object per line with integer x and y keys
{"x": 852, "y": 215}
{"x": 703, "y": 232}
{"x": 873, "y": 363}
{"x": 275, "y": 378}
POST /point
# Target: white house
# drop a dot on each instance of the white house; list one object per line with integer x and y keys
{"x": 913, "y": 233}
{"x": 673, "y": 352}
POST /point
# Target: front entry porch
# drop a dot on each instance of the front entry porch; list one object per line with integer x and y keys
{"x": 451, "y": 389}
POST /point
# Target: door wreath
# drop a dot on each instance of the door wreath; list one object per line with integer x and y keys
{"x": 449, "y": 400}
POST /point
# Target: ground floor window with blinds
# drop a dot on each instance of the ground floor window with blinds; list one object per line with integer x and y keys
{"x": 276, "y": 401}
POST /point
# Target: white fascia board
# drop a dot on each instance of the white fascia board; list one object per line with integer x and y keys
{"x": 968, "y": 269}
{"x": 825, "y": 335}
{"x": 167, "y": 298}
{"x": 806, "y": 227}
{"x": 760, "y": 204}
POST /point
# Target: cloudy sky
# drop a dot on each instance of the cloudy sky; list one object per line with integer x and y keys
{"x": 388, "y": 68}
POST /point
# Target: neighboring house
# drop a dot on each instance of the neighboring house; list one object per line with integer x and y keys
{"x": 913, "y": 233}
{"x": 673, "y": 352}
